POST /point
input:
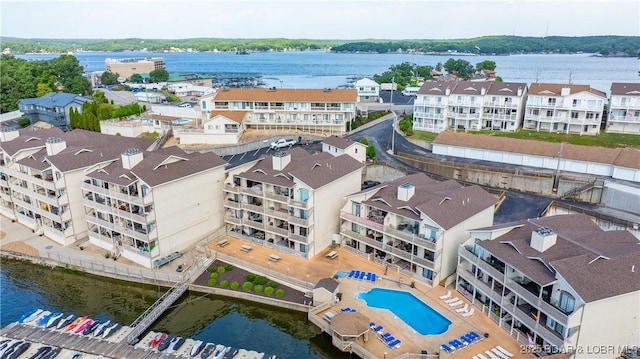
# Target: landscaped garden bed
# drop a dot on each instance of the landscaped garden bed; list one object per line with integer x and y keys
{"x": 226, "y": 276}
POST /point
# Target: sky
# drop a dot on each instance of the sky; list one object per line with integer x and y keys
{"x": 325, "y": 19}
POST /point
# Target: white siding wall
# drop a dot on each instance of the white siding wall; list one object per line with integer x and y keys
{"x": 188, "y": 209}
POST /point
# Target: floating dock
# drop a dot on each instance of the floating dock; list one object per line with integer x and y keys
{"x": 115, "y": 346}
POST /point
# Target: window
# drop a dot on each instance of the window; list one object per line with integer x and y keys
{"x": 355, "y": 209}
{"x": 549, "y": 113}
{"x": 304, "y": 194}
{"x": 551, "y": 102}
{"x": 567, "y": 302}
{"x": 303, "y": 248}
{"x": 204, "y": 105}
{"x": 574, "y": 114}
{"x": 576, "y": 102}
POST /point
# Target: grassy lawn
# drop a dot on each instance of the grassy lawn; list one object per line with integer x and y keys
{"x": 611, "y": 140}
{"x": 424, "y": 136}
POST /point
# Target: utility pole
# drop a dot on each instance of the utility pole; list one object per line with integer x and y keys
{"x": 393, "y": 84}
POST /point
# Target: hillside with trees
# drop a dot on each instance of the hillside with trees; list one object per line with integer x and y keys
{"x": 409, "y": 74}
{"x": 486, "y": 45}
{"x": 27, "y": 79}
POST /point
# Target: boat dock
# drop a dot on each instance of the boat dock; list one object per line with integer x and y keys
{"x": 115, "y": 347}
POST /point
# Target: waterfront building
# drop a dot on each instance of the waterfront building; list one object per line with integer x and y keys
{"x": 616, "y": 163}
{"x": 41, "y": 176}
{"x": 624, "y": 108}
{"x": 289, "y": 201}
{"x": 338, "y": 146}
{"x": 52, "y": 108}
{"x": 185, "y": 89}
{"x": 469, "y": 105}
{"x": 127, "y": 67}
{"x": 192, "y": 79}
{"x": 414, "y": 224}
{"x": 368, "y": 90}
{"x": 559, "y": 282}
{"x": 311, "y": 110}
{"x": 146, "y": 205}
{"x": 224, "y": 127}
{"x": 565, "y": 108}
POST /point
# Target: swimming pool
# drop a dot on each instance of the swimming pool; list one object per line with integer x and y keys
{"x": 421, "y": 317}
{"x": 180, "y": 121}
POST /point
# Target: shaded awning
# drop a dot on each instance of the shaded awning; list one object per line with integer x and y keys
{"x": 350, "y": 324}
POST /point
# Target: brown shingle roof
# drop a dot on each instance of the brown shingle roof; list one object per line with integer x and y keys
{"x": 287, "y": 95}
{"x": 547, "y": 89}
{"x": 616, "y": 156}
{"x": 157, "y": 167}
{"x": 579, "y": 241}
{"x": 447, "y": 203}
{"x": 30, "y": 139}
{"x": 339, "y": 142}
{"x": 506, "y": 88}
{"x": 623, "y": 89}
{"x": 315, "y": 170}
{"x": 237, "y": 116}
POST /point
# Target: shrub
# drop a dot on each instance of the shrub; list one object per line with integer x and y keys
{"x": 235, "y": 285}
{"x": 214, "y": 275}
{"x": 258, "y": 288}
{"x": 364, "y": 141}
{"x": 224, "y": 284}
{"x": 268, "y": 290}
{"x": 228, "y": 267}
{"x": 221, "y": 269}
{"x": 107, "y": 255}
{"x": 260, "y": 280}
{"x": 250, "y": 277}
{"x": 212, "y": 282}
{"x": 246, "y": 286}
{"x": 211, "y": 269}
{"x": 273, "y": 285}
{"x": 280, "y": 293}
{"x": 81, "y": 248}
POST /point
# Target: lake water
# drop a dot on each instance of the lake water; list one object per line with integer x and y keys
{"x": 215, "y": 319}
{"x": 322, "y": 69}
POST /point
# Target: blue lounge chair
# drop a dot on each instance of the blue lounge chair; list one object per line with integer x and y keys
{"x": 378, "y": 329}
{"x": 394, "y": 343}
{"x": 362, "y": 274}
{"x": 387, "y": 336}
{"x": 446, "y": 348}
{"x": 455, "y": 344}
{"x": 368, "y": 276}
{"x": 475, "y": 335}
{"x": 356, "y": 275}
{"x": 468, "y": 338}
{"x": 373, "y": 277}
{"x": 352, "y": 273}
{"x": 372, "y": 324}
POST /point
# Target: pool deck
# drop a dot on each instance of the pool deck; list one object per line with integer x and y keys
{"x": 321, "y": 267}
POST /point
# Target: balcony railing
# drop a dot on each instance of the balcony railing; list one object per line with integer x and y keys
{"x": 46, "y": 183}
{"x": 231, "y": 188}
{"x": 231, "y": 204}
{"x": 277, "y": 230}
{"x": 547, "y": 333}
{"x": 522, "y": 292}
{"x": 232, "y": 219}
{"x": 362, "y": 238}
{"x": 299, "y": 221}
{"x": 277, "y": 213}
{"x": 479, "y": 262}
{"x": 253, "y": 224}
{"x": 554, "y": 312}
{"x": 411, "y": 238}
{"x": 299, "y": 204}
{"x": 362, "y": 221}
{"x": 114, "y": 227}
{"x": 299, "y": 238}
{"x": 276, "y": 197}
{"x": 118, "y": 212}
{"x": 253, "y": 208}
{"x": 114, "y": 194}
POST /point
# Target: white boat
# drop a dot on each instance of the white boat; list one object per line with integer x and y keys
{"x": 32, "y": 316}
{"x": 197, "y": 348}
{"x": 65, "y": 321}
{"x": 54, "y": 319}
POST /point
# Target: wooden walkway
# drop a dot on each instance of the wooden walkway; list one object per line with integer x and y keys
{"x": 79, "y": 343}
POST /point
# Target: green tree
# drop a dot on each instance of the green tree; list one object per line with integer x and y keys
{"x": 371, "y": 152}
{"x": 486, "y": 65}
{"x": 42, "y": 89}
{"x": 158, "y": 75}
{"x": 136, "y": 78}
{"x": 461, "y": 68}
{"x": 109, "y": 78}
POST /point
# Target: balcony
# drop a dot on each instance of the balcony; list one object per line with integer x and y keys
{"x": 277, "y": 213}
{"x": 410, "y": 237}
{"x": 480, "y": 263}
{"x": 362, "y": 221}
{"x": 283, "y": 231}
{"x": 229, "y": 203}
{"x": 46, "y": 182}
{"x": 522, "y": 291}
{"x": 554, "y": 312}
{"x": 253, "y": 207}
{"x": 231, "y": 188}
{"x": 233, "y": 220}
{"x": 253, "y": 224}
{"x": 524, "y": 315}
{"x": 276, "y": 197}
{"x": 298, "y": 238}
{"x": 116, "y": 194}
{"x": 118, "y": 228}
{"x": 298, "y": 221}
{"x": 298, "y": 204}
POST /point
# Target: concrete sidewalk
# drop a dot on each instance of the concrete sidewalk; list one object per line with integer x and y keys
{"x": 16, "y": 238}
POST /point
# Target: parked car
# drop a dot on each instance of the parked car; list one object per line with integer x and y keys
{"x": 282, "y": 143}
{"x": 369, "y": 184}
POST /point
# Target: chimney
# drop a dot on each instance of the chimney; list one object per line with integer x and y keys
{"x": 543, "y": 238}
{"x": 8, "y": 135}
{"x": 519, "y": 91}
{"x": 447, "y": 91}
{"x": 55, "y": 145}
{"x": 406, "y": 191}
{"x": 280, "y": 160}
{"x": 483, "y": 91}
{"x": 131, "y": 157}
{"x": 566, "y": 91}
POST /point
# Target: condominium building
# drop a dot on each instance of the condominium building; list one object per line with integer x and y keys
{"x": 624, "y": 108}
{"x": 414, "y": 224}
{"x": 147, "y": 205}
{"x": 140, "y": 204}
{"x": 41, "y": 176}
{"x": 565, "y": 108}
{"x": 289, "y": 201}
{"x": 469, "y": 105}
{"x": 558, "y": 282}
{"x": 127, "y": 67}
{"x": 313, "y": 110}
{"x": 337, "y": 146}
